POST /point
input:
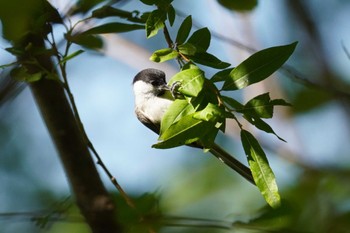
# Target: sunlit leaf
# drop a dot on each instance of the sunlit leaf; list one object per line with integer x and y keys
{"x": 155, "y": 22}
{"x": 187, "y": 49}
{"x": 163, "y": 55}
{"x": 262, "y": 106}
{"x": 222, "y": 75}
{"x": 211, "y": 112}
{"x": 261, "y": 170}
{"x": 191, "y": 81}
{"x": 71, "y": 56}
{"x": 200, "y": 39}
{"x": 258, "y": 67}
{"x": 184, "y": 30}
{"x": 210, "y": 60}
{"x": 178, "y": 109}
{"x": 184, "y": 131}
{"x": 259, "y": 106}
{"x": 207, "y": 95}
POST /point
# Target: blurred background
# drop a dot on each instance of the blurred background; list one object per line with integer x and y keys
{"x": 312, "y": 168}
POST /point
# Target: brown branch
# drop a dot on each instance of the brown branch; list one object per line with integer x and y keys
{"x": 167, "y": 37}
{"x": 91, "y": 196}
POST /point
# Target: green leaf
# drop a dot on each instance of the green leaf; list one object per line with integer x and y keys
{"x": 183, "y": 132}
{"x": 155, "y": 22}
{"x": 83, "y": 6}
{"x": 187, "y": 49}
{"x": 171, "y": 15}
{"x": 22, "y": 74}
{"x": 261, "y": 106}
{"x": 88, "y": 41}
{"x": 20, "y": 18}
{"x": 184, "y": 30}
{"x": 258, "y": 67}
{"x": 15, "y": 51}
{"x": 186, "y": 130}
{"x": 191, "y": 81}
{"x": 210, "y": 60}
{"x": 261, "y": 170}
{"x": 262, "y": 125}
{"x": 189, "y": 65}
{"x": 208, "y": 94}
{"x": 71, "y": 56}
{"x": 51, "y": 13}
{"x": 211, "y": 112}
{"x": 178, "y": 109}
{"x": 200, "y": 39}
{"x": 232, "y": 102}
{"x": 238, "y": 5}
{"x": 108, "y": 11}
{"x": 280, "y": 102}
{"x": 221, "y": 75}
{"x": 149, "y": 2}
{"x": 113, "y": 28}
{"x": 163, "y": 55}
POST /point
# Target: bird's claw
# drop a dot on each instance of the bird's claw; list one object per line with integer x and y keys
{"x": 174, "y": 89}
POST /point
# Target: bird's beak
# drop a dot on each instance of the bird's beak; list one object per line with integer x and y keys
{"x": 162, "y": 89}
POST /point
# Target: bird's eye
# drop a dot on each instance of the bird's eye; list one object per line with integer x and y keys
{"x": 155, "y": 83}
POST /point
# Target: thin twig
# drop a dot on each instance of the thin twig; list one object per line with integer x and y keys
{"x": 82, "y": 128}
{"x": 167, "y": 37}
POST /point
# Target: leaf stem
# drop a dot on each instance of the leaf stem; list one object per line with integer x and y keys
{"x": 167, "y": 37}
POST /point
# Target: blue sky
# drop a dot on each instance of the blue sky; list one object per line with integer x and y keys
{"x": 103, "y": 93}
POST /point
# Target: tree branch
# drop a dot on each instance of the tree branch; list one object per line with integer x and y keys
{"x": 91, "y": 196}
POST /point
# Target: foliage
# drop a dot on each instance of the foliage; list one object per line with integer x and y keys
{"x": 204, "y": 114}
{"x": 203, "y": 108}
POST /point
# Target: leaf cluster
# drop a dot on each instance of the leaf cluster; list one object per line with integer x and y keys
{"x": 189, "y": 47}
{"x": 202, "y": 109}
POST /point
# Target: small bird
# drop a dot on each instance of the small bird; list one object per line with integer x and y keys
{"x": 152, "y": 99}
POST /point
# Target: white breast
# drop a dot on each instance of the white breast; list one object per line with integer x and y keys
{"x": 146, "y": 102}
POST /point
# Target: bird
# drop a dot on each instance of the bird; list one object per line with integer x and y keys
{"x": 153, "y": 97}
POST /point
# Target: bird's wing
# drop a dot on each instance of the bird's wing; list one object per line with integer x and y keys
{"x": 147, "y": 122}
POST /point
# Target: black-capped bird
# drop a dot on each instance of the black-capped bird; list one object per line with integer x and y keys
{"x": 152, "y": 99}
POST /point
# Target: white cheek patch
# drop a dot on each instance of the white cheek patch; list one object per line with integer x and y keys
{"x": 141, "y": 88}
{"x": 148, "y": 103}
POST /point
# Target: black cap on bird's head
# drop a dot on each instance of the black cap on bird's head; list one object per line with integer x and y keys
{"x": 153, "y": 76}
